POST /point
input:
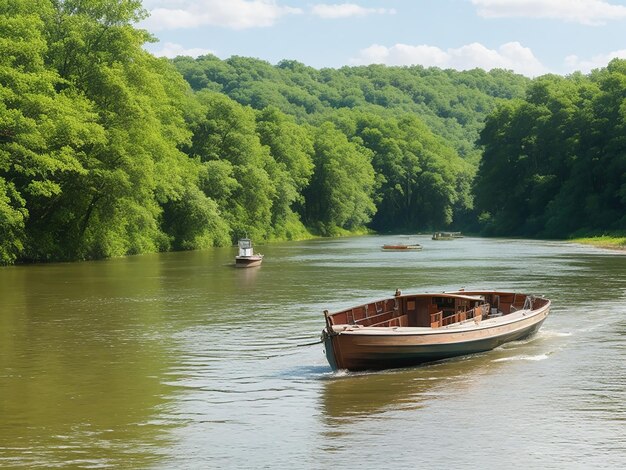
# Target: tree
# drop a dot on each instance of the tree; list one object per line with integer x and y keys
{"x": 341, "y": 191}
{"x": 225, "y": 142}
{"x": 421, "y": 181}
{"x": 291, "y": 148}
{"x": 43, "y": 131}
{"x": 92, "y": 125}
{"x": 555, "y": 159}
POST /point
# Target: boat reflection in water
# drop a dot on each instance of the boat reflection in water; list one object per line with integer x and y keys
{"x": 358, "y": 395}
{"x": 410, "y": 329}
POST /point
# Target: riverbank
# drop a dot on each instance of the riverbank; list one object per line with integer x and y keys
{"x": 605, "y": 241}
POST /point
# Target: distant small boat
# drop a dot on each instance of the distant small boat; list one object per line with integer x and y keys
{"x": 246, "y": 257}
{"x": 410, "y": 329}
{"x": 446, "y": 235}
{"x": 402, "y": 247}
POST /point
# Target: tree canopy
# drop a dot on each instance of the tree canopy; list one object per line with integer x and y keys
{"x": 106, "y": 150}
{"x": 90, "y": 126}
{"x": 557, "y": 159}
{"x": 452, "y": 104}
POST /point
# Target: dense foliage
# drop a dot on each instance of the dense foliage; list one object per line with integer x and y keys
{"x": 452, "y": 104}
{"x": 106, "y": 150}
{"x": 89, "y": 126}
{"x": 554, "y": 164}
{"x": 417, "y": 127}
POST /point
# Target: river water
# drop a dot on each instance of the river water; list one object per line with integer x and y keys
{"x": 179, "y": 360}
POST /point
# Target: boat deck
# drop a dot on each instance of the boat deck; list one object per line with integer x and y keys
{"x": 464, "y": 325}
{"x": 433, "y": 312}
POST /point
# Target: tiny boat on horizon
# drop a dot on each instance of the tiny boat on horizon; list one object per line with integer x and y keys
{"x": 402, "y": 247}
{"x": 446, "y": 235}
{"x": 411, "y": 329}
{"x": 246, "y": 257}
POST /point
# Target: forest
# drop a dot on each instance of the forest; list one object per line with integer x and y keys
{"x": 106, "y": 150}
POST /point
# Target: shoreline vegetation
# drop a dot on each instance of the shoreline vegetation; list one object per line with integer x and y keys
{"x": 607, "y": 242}
{"x": 107, "y": 150}
{"x": 603, "y": 241}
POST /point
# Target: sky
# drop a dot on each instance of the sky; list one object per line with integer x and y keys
{"x": 530, "y": 37}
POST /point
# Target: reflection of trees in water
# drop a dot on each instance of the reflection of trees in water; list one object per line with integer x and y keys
{"x": 88, "y": 357}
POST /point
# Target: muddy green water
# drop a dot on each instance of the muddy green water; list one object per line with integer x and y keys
{"x": 179, "y": 360}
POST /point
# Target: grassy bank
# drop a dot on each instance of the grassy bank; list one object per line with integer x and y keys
{"x": 604, "y": 241}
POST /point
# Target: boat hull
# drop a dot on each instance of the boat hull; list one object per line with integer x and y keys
{"x": 248, "y": 261}
{"x": 357, "y": 350}
{"x": 401, "y": 247}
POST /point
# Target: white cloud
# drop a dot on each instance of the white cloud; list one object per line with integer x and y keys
{"x": 574, "y": 63}
{"x": 345, "y": 10}
{"x": 590, "y": 12}
{"x": 171, "y": 50}
{"x": 510, "y": 56}
{"x": 233, "y": 14}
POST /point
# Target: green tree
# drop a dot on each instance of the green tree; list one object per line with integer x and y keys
{"x": 421, "y": 181}
{"x": 341, "y": 191}
{"x": 291, "y": 148}
{"x": 91, "y": 129}
{"x": 45, "y": 129}
{"x": 226, "y": 143}
{"x": 555, "y": 159}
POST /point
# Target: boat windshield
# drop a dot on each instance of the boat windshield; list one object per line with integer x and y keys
{"x": 245, "y": 243}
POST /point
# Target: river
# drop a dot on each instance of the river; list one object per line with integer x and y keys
{"x": 179, "y": 360}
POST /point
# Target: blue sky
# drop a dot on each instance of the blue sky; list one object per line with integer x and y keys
{"x": 531, "y": 37}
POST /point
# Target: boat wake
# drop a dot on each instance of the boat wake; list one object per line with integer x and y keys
{"x": 541, "y": 335}
{"x": 547, "y": 334}
{"x": 342, "y": 373}
{"x": 525, "y": 357}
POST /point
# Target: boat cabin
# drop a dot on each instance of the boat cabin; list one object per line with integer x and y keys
{"x": 245, "y": 247}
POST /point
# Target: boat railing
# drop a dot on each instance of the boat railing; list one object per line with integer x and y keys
{"x": 389, "y": 318}
{"x": 437, "y": 319}
{"x": 372, "y": 314}
{"x": 508, "y": 303}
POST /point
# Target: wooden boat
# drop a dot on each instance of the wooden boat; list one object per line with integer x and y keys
{"x": 246, "y": 257}
{"x": 402, "y": 247}
{"x": 446, "y": 235}
{"x": 410, "y": 329}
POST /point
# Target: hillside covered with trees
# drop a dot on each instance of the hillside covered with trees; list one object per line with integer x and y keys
{"x": 106, "y": 150}
{"x": 452, "y": 104}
